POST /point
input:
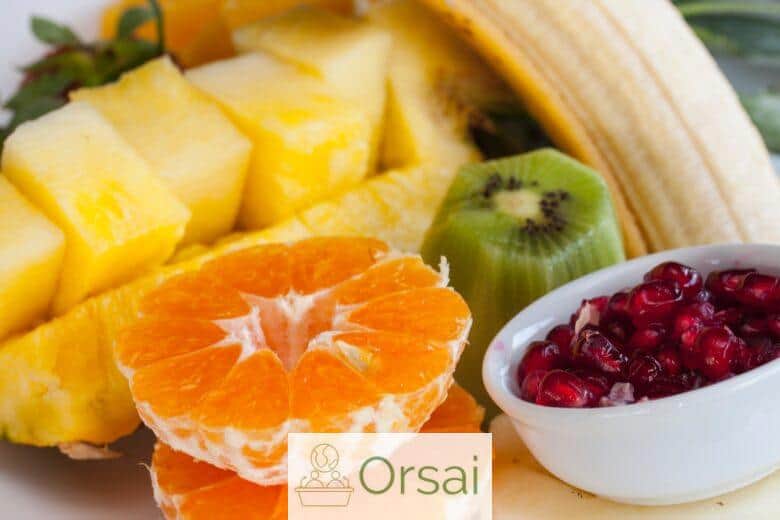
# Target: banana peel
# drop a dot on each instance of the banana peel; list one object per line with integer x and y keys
{"x": 626, "y": 87}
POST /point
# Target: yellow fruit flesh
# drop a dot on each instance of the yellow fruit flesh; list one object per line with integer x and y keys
{"x": 118, "y": 218}
{"x": 349, "y": 55}
{"x": 186, "y": 139}
{"x": 309, "y": 143}
{"x": 433, "y": 76}
{"x": 31, "y": 251}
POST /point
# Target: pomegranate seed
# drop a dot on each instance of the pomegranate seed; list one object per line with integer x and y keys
{"x": 598, "y": 384}
{"x": 647, "y": 339}
{"x": 653, "y": 301}
{"x": 704, "y": 296}
{"x": 593, "y": 349}
{"x": 530, "y": 385}
{"x": 664, "y": 387}
{"x": 562, "y": 389}
{"x": 731, "y": 316}
{"x": 754, "y": 327}
{"x": 718, "y": 348}
{"x": 541, "y": 355}
{"x": 752, "y": 356}
{"x": 759, "y": 290}
{"x": 617, "y": 331}
{"x": 594, "y": 309}
{"x": 562, "y": 335}
{"x": 670, "y": 361}
{"x": 618, "y": 305}
{"x": 688, "y": 279}
{"x": 724, "y": 284}
{"x": 773, "y": 324}
{"x": 643, "y": 370}
{"x": 692, "y": 316}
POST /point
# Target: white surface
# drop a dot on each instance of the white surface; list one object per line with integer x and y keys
{"x": 687, "y": 447}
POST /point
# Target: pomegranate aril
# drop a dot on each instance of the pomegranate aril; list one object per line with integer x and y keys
{"x": 562, "y": 336}
{"x": 643, "y": 370}
{"x": 664, "y": 387}
{"x": 688, "y": 279}
{"x": 730, "y": 316}
{"x": 593, "y": 349}
{"x": 589, "y": 312}
{"x": 773, "y": 325}
{"x": 759, "y": 290}
{"x": 562, "y": 389}
{"x": 653, "y": 301}
{"x": 618, "y": 331}
{"x": 670, "y": 361}
{"x": 718, "y": 348}
{"x": 724, "y": 284}
{"x": 598, "y": 384}
{"x": 692, "y": 316}
{"x": 541, "y": 355}
{"x": 617, "y": 307}
{"x": 647, "y": 339}
{"x": 529, "y": 387}
{"x": 753, "y": 327}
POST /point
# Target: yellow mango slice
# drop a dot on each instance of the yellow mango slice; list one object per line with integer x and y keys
{"x": 118, "y": 218}
{"x": 185, "y": 137}
{"x": 309, "y": 142}
{"x": 31, "y": 251}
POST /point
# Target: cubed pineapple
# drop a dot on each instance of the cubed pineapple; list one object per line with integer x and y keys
{"x": 186, "y": 139}
{"x": 118, "y": 218}
{"x": 350, "y": 55}
{"x": 31, "y": 250}
{"x": 309, "y": 142}
{"x": 435, "y": 82}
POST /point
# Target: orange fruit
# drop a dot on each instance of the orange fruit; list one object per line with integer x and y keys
{"x": 186, "y": 489}
{"x": 326, "y": 334}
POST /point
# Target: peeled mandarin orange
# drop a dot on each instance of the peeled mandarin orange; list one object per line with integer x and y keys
{"x": 187, "y": 489}
{"x": 326, "y": 335}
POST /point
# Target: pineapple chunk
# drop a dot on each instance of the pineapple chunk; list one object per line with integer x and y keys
{"x": 237, "y": 13}
{"x": 31, "y": 250}
{"x": 435, "y": 82}
{"x": 186, "y": 138}
{"x": 309, "y": 142}
{"x": 117, "y": 217}
{"x": 338, "y": 49}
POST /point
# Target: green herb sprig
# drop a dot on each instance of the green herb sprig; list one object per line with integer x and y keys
{"x": 72, "y": 63}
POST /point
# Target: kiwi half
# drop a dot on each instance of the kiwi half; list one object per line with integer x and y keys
{"x": 512, "y": 230}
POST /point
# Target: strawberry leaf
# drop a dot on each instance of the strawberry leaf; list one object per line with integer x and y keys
{"x": 52, "y": 33}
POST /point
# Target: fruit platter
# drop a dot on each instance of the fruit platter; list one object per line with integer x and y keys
{"x": 226, "y": 222}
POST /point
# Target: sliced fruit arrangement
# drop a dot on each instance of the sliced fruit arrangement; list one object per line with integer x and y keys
{"x": 118, "y": 218}
{"x": 514, "y": 229}
{"x": 186, "y": 139}
{"x": 336, "y": 48}
{"x": 309, "y": 142}
{"x": 650, "y": 111}
{"x": 325, "y": 334}
{"x": 31, "y": 251}
{"x": 187, "y": 489}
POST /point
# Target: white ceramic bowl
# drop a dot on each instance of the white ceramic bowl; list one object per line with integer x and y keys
{"x": 677, "y": 449}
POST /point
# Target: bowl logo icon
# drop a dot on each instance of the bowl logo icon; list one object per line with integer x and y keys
{"x": 324, "y": 486}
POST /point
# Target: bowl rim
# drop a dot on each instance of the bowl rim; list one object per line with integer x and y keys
{"x": 495, "y": 371}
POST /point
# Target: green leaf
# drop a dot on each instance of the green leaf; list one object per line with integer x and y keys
{"x": 53, "y": 33}
{"x": 764, "y": 110}
{"x": 47, "y": 85}
{"x": 132, "y": 19}
{"x": 748, "y": 28}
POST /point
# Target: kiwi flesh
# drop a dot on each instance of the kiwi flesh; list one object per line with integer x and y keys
{"x": 512, "y": 230}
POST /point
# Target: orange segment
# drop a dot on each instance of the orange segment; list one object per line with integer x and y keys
{"x": 253, "y": 396}
{"x": 261, "y": 271}
{"x": 190, "y": 490}
{"x": 178, "y": 384}
{"x": 324, "y": 389}
{"x": 194, "y": 295}
{"x": 436, "y": 313}
{"x": 385, "y": 278}
{"x": 318, "y": 263}
{"x": 170, "y": 337}
{"x": 267, "y": 341}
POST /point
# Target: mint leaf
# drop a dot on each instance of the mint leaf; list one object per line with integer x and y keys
{"x": 132, "y": 19}
{"x": 52, "y": 33}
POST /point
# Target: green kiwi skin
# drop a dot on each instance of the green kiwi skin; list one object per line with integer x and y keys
{"x": 500, "y": 268}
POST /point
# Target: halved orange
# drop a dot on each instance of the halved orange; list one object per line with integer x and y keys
{"x": 186, "y": 489}
{"x": 327, "y": 335}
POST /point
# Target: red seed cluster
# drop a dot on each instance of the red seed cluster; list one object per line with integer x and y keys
{"x": 672, "y": 333}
